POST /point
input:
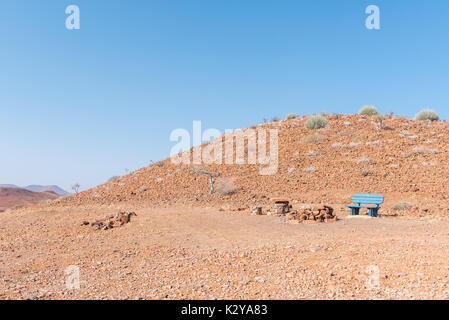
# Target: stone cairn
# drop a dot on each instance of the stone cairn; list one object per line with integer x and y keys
{"x": 282, "y": 207}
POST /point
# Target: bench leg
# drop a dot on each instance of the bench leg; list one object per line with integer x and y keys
{"x": 355, "y": 211}
{"x": 373, "y": 212}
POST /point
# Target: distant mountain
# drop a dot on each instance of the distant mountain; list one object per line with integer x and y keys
{"x": 55, "y": 189}
{"x": 39, "y": 188}
{"x": 13, "y": 197}
{"x": 8, "y": 186}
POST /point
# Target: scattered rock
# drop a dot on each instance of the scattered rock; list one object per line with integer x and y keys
{"x": 110, "y": 222}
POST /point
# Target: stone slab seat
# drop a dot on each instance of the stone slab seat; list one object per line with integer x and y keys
{"x": 371, "y": 201}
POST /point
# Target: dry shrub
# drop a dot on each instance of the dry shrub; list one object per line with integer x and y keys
{"x": 143, "y": 189}
{"x": 368, "y": 111}
{"x": 401, "y": 206}
{"x": 419, "y": 150}
{"x": 427, "y": 115}
{"x": 337, "y": 145}
{"x": 345, "y": 133}
{"x": 363, "y": 160}
{"x": 313, "y": 138}
{"x": 354, "y": 144}
{"x": 365, "y": 172}
{"x": 315, "y": 122}
{"x": 225, "y": 186}
{"x": 312, "y": 154}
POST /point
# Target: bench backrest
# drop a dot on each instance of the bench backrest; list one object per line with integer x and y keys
{"x": 368, "y": 198}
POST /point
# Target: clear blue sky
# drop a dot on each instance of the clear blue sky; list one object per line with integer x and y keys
{"x": 83, "y": 105}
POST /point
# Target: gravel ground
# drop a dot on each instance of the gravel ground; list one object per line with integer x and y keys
{"x": 211, "y": 254}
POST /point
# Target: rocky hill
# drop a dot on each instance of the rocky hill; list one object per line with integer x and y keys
{"x": 406, "y": 161}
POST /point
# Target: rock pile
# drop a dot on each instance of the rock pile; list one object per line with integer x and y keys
{"x": 282, "y": 207}
{"x": 317, "y": 214}
{"x": 110, "y": 222}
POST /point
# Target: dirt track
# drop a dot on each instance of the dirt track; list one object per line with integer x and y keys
{"x": 208, "y": 254}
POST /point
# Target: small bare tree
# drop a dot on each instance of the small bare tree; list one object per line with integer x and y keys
{"x": 206, "y": 172}
{"x": 380, "y": 121}
{"x": 76, "y": 187}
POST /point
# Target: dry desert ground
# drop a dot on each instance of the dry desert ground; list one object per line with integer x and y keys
{"x": 204, "y": 253}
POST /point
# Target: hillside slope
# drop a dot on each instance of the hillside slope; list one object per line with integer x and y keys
{"x": 405, "y": 161}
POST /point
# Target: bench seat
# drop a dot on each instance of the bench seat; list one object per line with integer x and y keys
{"x": 371, "y": 201}
{"x": 368, "y": 207}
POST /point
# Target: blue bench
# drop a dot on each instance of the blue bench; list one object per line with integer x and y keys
{"x": 373, "y": 201}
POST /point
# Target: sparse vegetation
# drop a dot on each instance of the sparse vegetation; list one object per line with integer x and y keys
{"x": 312, "y": 139}
{"x": 372, "y": 143}
{"x": 315, "y": 122}
{"x": 365, "y": 172}
{"x": 312, "y": 154}
{"x": 380, "y": 120}
{"x": 354, "y": 144}
{"x": 368, "y": 111}
{"x": 419, "y": 150}
{"x": 291, "y": 116}
{"x": 206, "y": 172}
{"x": 363, "y": 160}
{"x": 337, "y": 145}
{"x": 427, "y": 114}
{"x": 401, "y": 206}
{"x": 225, "y": 186}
